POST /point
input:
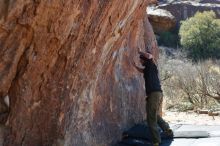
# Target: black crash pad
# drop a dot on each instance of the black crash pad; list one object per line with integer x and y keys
{"x": 141, "y": 142}
{"x": 140, "y": 131}
{"x": 139, "y": 135}
{"x": 134, "y": 142}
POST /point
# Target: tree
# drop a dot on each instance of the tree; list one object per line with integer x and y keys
{"x": 194, "y": 85}
{"x": 200, "y": 36}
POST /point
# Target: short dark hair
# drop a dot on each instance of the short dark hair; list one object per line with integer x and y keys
{"x": 142, "y": 57}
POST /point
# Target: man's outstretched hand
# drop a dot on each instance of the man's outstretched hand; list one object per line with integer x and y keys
{"x": 147, "y": 55}
{"x": 138, "y": 68}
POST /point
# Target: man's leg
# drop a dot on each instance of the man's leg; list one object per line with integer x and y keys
{"x": 152, "y": 107}
{"x": 160, "y": 121}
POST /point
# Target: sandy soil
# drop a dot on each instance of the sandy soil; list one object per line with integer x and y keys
{"x": 190, "y": 118}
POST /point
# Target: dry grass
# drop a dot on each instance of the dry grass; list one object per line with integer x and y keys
{"x": 190, "y": 118}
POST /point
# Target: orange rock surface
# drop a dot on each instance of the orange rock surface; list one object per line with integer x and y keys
{"x": 65, "y": 66}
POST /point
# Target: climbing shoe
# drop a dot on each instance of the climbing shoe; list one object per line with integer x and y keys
{"x": 155, "y": 144}
{"x": 168, "y": 133}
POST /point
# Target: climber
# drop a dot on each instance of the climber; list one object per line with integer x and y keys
{"x": 154, "y": 97}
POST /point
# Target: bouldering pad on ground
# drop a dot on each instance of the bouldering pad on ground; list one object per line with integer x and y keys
{"x": 140, "y": 131}
{"x": 184, "y": 135}
{"x": 135, "y": 142}
{"x": 191, "y": 134}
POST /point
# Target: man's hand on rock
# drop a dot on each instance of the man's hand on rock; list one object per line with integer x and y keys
{"x": 147, "y": 55}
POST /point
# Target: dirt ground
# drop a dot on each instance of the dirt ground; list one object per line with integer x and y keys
{"x": 190, "y": 118}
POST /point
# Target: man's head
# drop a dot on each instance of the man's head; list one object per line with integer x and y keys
{"x": 145, "y": 57}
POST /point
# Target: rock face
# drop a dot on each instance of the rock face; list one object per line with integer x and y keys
{"x": 161, "y": 20}
{"x": 210, "y": 1}
{"x": 200, "y": 1}
{"x": 65, "y": 66}
{"x": 185, "y": 9}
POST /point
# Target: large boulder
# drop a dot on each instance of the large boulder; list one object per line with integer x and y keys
{"x": 65, "y": 66}
{"x": 182, "y": 10}
{"x": 200, "y": 1}
{"x": 210, "y": 1}
{"x": 161, "y": 20}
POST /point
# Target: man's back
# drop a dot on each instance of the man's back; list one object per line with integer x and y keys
{"x": 152, "y": 81}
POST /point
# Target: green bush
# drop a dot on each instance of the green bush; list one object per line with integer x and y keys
{"x": 200, "y": 36}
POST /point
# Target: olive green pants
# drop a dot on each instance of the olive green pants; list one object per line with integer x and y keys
{"x": 154, "y": 100}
